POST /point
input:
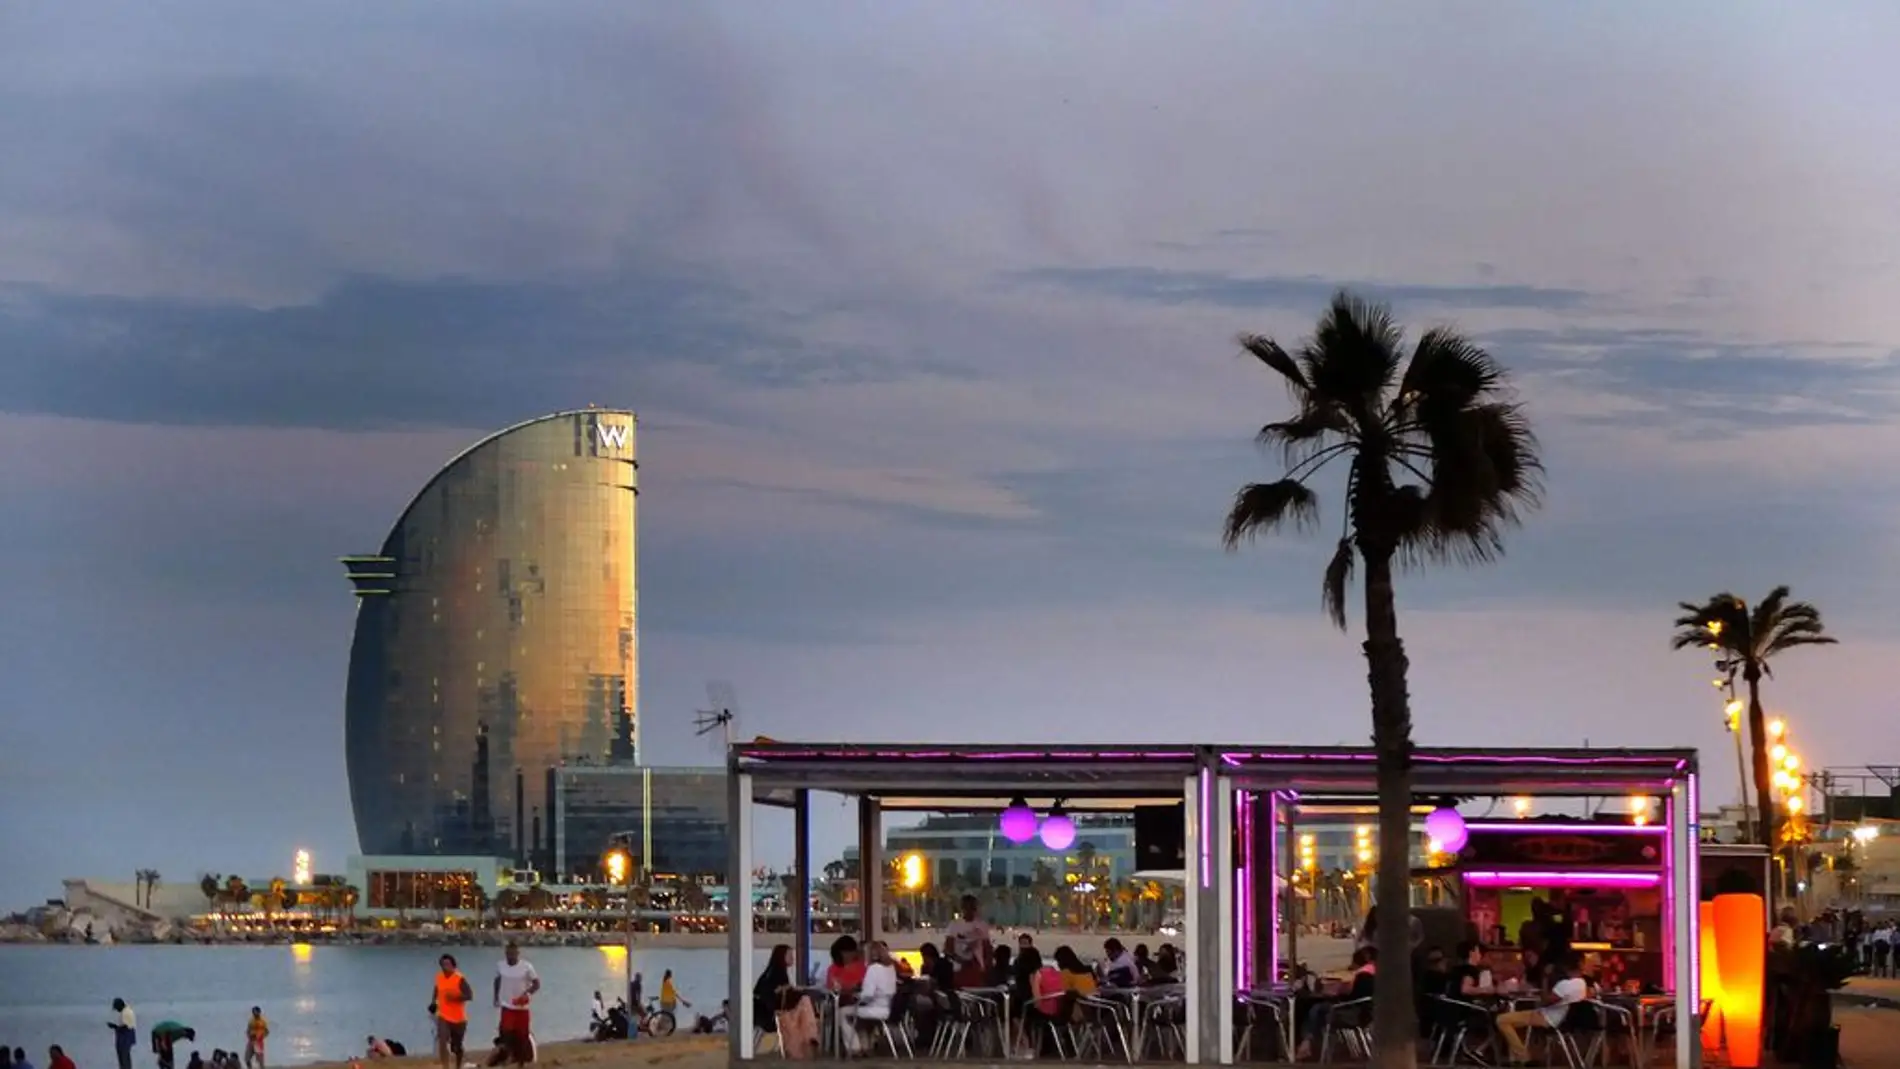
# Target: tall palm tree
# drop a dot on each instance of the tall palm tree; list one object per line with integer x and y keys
{"x": 1439, "y": 461}
{"x": 1745, "y": 642}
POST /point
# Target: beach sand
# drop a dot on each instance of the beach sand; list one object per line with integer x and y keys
{"x": 678, "y": 1052}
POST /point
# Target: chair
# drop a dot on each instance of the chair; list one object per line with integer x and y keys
{"x": 1272, "y": 1011}
{"x": 1351, "y": 1021}
{"x": 1106, "y": 1024}
{"x": 1451, "y": 1044}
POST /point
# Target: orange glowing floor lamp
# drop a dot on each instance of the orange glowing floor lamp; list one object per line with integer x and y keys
{"x": 1711, "y": 975}
{"x": 1741, "y": 950}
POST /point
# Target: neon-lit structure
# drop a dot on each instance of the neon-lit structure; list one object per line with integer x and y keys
{"x": 1239, "y": 808}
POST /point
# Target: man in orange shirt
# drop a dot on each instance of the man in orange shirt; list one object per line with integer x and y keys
{"x": 449, "y": 1003}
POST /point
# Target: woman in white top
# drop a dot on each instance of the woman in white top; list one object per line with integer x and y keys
{"x": 875, "y": 996}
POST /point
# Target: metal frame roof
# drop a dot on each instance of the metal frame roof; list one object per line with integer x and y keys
{"x": 919, "y": 776}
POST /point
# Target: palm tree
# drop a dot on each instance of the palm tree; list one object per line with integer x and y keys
{"x": 208, "y": 887}
{"x": 1745, "y": 642}
{"x": 152, "y": 880}
{"x": 1439, "y": 462}
{"x": 235, "y": 892}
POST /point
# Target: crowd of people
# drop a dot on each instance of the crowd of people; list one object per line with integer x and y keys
{"x": 872, "y": 986}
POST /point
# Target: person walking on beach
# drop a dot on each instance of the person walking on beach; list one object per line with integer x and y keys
{"x": 515, "y": 985}
{"x": 124, "y": 1024}
{"x": 449, "y": 1002}
{"x": 254, "y": 1032}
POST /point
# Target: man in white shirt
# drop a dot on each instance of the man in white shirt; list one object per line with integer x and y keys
{"x": 124, "y": 1024}
{"x": 1566, "y": 993}
{"x": 966, "y": 942}
{"x": 515, "y": 985}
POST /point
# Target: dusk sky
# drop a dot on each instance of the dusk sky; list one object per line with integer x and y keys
{"x": 928, "y": 311}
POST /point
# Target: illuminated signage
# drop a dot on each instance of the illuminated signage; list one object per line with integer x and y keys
{"x": 611, "y": 437}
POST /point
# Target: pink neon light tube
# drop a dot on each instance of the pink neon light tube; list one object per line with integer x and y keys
{"x": 1536, "y": 828}
{"x": 1563, "y": 879}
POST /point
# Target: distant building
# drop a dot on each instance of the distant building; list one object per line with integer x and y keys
{"x": 673, "y": 820}
{"x": 390, "y": 886}
{"x": 967, "y": 850}
{"x": 496, "y": 638}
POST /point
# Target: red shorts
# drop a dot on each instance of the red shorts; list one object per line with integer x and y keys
{"x": 514, "y": 1032}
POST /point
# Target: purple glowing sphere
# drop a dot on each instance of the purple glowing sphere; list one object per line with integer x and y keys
{"x": 1447, "y": 828}
{"x": 1058, "y": 832}
{"x": 1019, "y": 822}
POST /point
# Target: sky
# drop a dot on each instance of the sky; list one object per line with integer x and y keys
{"x": 928, "y": 311}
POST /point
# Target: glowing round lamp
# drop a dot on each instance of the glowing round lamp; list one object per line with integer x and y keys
{"x": 1447, "y": 828}
{"x": 1019, "y": 821}
{"x": 1058, "y": 832}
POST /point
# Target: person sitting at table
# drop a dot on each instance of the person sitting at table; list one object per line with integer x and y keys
{"x": 1001, "y": 972}
{"x": 847, "y": 970}
{"x": 1044, "y": 996}
{"x": 1144, "y": 961}
{"x": 1569, "y": 990}
{"x": 768, "y": 993}
{"x": 934, "y": 995}
{"x": 1365, "y": 970}
{"x": 877, "y": 995}
{"x": 1077, "y": 977}
{"x": 1119, "y": 968}
{"x": 1165, "y": 969}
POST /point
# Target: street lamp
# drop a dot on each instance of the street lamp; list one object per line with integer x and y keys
{"x": 910, "y": 876}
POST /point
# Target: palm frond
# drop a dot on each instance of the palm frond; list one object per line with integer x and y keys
{"x": 1338, "y": 578}
{"x": 1448, "y": 370}
{"x": 1485, "y": 473}
{"x": 1268, "y": 506}
{"x": 1353, "y": 356}
{"x": 1730, "y": 619}
{"x": 1269, "y": 352}
{"x": 1298, "y": 438}
{"x": 1797, "y": 624}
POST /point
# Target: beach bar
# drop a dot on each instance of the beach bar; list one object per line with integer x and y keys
{"x": 1237, "y": 805}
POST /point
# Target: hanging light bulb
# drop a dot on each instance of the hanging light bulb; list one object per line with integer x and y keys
{"x": 1019, "y": 821}
{"x": 1058, "y": 832}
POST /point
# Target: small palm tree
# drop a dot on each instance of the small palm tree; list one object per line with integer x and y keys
{"x": 208, "y": 887}
{"x": 1746, "y": 642}
{"x": 1439, "y": 463}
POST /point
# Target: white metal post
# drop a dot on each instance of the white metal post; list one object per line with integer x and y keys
{"x": 739, "y": 965}
{"x": 1194, "y": 937}
{"x": 1224, "y": 973}
{"x": 1686, "y": 897}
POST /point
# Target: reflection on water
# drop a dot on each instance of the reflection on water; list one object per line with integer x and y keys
{"x": 321, "y": 1000}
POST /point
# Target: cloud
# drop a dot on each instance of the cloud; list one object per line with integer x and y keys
{"x": 1304, "y": 292}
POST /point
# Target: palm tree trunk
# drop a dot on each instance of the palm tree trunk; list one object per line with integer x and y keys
{"x": 1394, "y": 1017}
{"x": 1758, "y": 739}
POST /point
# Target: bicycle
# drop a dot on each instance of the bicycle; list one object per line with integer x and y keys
{"x": 657, "y": 1022}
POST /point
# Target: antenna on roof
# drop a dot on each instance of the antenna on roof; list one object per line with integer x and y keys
{"x": 720, "y": 717}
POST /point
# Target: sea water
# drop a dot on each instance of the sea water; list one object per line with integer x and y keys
{"x": 321, "y": 1001}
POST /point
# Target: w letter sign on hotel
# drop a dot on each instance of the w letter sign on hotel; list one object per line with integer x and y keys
{"x": 611, "y": 437}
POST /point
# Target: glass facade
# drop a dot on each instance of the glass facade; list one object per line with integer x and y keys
{"x": 673, "y": 819}
{"x": 406, "y": 890}
{"x": 496, "y": 638}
